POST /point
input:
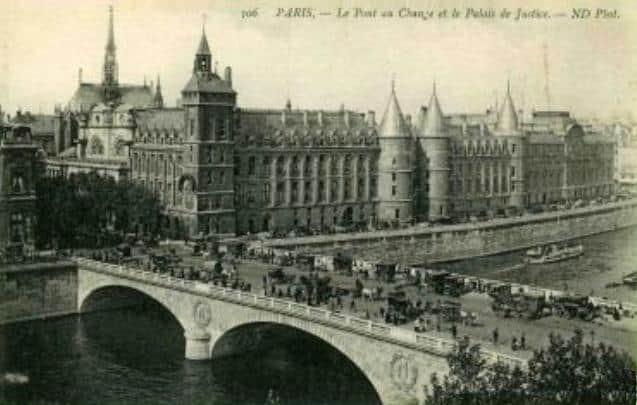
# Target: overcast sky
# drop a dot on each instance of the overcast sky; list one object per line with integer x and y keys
{"x": 325, "y": 62}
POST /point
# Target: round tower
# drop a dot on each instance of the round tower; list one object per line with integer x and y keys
{"x": 394, "y": 165}
{"x": 434, "y": 143}
{"x": 507, "y": 127}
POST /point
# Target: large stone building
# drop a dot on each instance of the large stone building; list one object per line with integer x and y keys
{"x": 221, "y": 169}
{"x": 20, "y": 158}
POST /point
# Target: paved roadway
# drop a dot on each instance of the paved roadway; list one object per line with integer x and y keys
{"x": 620, "y": 334}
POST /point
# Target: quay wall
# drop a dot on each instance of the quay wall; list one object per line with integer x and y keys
{"x": 37, "y": 291}
{"x": 455, "y": 242}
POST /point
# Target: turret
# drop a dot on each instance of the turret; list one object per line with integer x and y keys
{"x": 507, "y": 126}
{"x": 433, "y": 144}
{"x": 394, "y": 165}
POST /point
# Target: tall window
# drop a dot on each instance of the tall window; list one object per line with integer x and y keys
{"x": 251, "y": 165}
{"x": 393, "y": 190}
{"x": 220, "y": 128}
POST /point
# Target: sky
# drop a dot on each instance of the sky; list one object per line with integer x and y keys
{"x": 326, "y": 62}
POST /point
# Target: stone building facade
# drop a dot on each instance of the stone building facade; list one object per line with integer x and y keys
{"x": 221, "y": 169}
{"x": 20, "y": 160}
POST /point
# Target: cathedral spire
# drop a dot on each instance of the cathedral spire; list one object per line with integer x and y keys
{"x": 110, "y": 46}
{"x": 109, "y": 74}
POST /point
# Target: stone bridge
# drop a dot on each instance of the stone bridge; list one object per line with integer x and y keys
{"x": 397, "y": 362}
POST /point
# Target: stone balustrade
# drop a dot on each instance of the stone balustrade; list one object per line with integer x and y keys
{"x": 391, "y": 334}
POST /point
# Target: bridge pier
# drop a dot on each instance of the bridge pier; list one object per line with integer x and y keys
{"x": 197, "y": 344}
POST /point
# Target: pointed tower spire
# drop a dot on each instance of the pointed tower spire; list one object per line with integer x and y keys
{"x": 109, "y": 74}
{"x": 203, "y": 58}
{"x": 159, "y": 99}
{"x": 110, "y": 45}
{"x": 508, "y": 118}
{"x": 393, "y": 123}
{"x": 434, "y": 121}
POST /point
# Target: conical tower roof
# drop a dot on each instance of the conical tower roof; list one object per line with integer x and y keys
{"x": 393, "y": 123}
{"x": 434, "y": 120}
{"x": 203, "y": 48}
{"x": 508, "y": 118}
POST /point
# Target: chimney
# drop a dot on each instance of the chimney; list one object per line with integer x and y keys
{"x": 283, "y": 116}
{"x": 227, "y": 75}
{"x": 79, "y": 76}
{"x": 464, "y": 127}
{"x": 320, "y": 118}
{"x": 346, "y": 118}
{"x": 306, "y": 121}
{"x": 371, "y": 118}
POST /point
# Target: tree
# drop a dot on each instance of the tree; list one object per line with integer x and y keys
{"x": 89, "y": 210}
{"x": 568, "y": 371}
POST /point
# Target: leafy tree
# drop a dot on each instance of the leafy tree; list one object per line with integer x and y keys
{"x": 89, "y": 210}
{"x": 568, "y": 371}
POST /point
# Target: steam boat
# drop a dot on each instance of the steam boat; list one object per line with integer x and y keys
{"x": 553, "y": 253}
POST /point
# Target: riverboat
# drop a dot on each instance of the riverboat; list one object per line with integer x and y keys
{"x": 630, "y": 279}
{"x": 553, "y": 253}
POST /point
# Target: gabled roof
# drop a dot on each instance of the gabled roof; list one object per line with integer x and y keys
{"x": 393, "y": 123}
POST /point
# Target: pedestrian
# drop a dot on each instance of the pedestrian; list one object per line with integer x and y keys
{"x": 454, "y": 331}
{"x": 522, "y": 341}
{"x": 495, "y": 336}
{"x": 352, "y": 306}
{"x": 272, "y": 290}
{"x": 382, "y": 312}
{"x": 514, "y": 343}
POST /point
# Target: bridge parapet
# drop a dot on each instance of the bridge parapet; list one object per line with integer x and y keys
{"x": 381, "y": 332}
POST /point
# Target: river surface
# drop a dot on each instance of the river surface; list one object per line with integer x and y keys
{"x": 607, "y": 258}
{"x": 135, "y": 356}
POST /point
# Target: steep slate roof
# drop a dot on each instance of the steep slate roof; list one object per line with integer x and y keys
{"x": 208, "y": 83}
{"x": 508, "y": 119}
{"x": 89, "y": 94}
{"x": 393, "y": 124}
{"x": 165, "y": 118}
{"x": 434, "y": 120}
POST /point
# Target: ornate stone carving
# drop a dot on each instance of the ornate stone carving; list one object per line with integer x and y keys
{"x": 202, "y": 314}
{"x": 404, "y": 373}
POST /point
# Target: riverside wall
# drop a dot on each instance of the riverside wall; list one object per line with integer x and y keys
{"x": 37, "y": 290}
{"x": 455, "y": 242}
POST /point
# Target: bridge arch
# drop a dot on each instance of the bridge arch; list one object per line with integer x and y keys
{"x": 114, "y": 296}
{"x": 235, "y": 339}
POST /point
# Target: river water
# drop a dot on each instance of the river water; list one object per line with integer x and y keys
{"x": 607, "y": 258}
{"x": 135, "y": 356}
